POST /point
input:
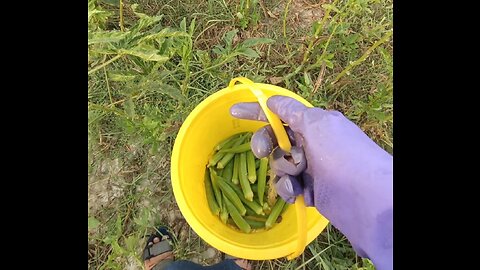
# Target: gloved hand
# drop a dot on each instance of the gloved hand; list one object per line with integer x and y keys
{"x": 348, "y": 178}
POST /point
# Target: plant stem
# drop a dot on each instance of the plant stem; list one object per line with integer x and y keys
{"x": 108, "y": 85}
{"x": 104, "y": 64}
{"x": 121, "y": 16}
{"x": 364, "y": 56}
{"x": 317, "y": 32}
{"x": 214, "y": 66}
{"x": 285, "y": 26}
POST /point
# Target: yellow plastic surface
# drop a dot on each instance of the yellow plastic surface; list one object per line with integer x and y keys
{"x": 208, "y": 124}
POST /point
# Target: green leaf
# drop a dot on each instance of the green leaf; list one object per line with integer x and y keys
{"x": 134, "y": 7}
{"x": 145, "y": 16}
{"x": 328, "y": 63}
{"x": 218, "y": 50}
{"x": 98, "y": 15}
{"x": 154, "y": 148}
{"x": 93, "y": 223}
{"x": 329, "y": 6}
{"x": 255, "y": 41}
{"x": 144, "y": 22}
{"x": 244, "y": 23}
{"x": 307, "y": 79}
{"x": 352, "y": 38}
{"x": 302, "y": 87}
{"x": 165, "y": 47}
{"x": 121, "y": 76}
{"x": 183, "y": 24}
{"x": 315, "y": 27}
{"x": 149, "y": 124}
{"x": 142, "y": 219}
{"x": 173, "y": 92}
{"x": 228, "y": 38}
{"x": 166, "y": 32}
{"x": 131, "y": 243}
{"x": 145, "y": 52}
{"x": 118, "y": 226}
{"x": 368, "y": 265}
{"x": 192, "y": 27}
{"x": 128, "y": 125}
{"x": 248, "y": 52}
{"x": 163, "y": 88}
{"x": 204, "y": 58}
{"x": 105, "y": 36}
{"x": 325, "y": 265}
{"x": 115, "y": 3}
{"x": 129, "y": 107}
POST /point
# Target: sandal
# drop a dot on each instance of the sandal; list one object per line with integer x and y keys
{"x": 242, "y": 263}
{"x": 155, "y": 249}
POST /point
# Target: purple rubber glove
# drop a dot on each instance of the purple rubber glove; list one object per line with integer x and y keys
{"x": 348, "y": 177}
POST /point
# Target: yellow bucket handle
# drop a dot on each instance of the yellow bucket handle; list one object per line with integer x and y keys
{"x": 284, "y": 144}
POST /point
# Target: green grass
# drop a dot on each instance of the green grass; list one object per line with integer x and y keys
{"x": 149, "y": 67}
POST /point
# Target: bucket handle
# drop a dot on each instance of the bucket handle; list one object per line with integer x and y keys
{"x": 284, "y": 144}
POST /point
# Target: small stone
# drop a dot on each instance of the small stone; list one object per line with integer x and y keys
{"x": 209, "y": 253}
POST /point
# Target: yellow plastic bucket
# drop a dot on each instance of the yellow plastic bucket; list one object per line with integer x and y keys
{"x": 208, "y": 124}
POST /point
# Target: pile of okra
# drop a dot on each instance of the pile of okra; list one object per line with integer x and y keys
{"x": 237, "y": 189}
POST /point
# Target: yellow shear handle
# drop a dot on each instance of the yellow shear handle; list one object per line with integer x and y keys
{"x": 273, "y": 119}
{"x": 284, "y": 144}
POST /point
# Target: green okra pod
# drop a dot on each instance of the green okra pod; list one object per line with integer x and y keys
{"x": 228, "y": 171}
{"x": 262, "y": 178}
{"x": 237, "y": 218}
{"x": 219, "y": 155}
{"x": 252, "y": 173}
{"x": 253, "y": 205}
{"x": 212, "y": 203}
{"x": 242, "y": 175}
{"x": 231, "y": 195}
{"x": 228, "y": 156}
{"x": 223, "y": 211}
{"x": 254, "y": 188}
{"x": 226, "y": 142}
{"x": 277, "y": 208}
{"x": 216, "y": 189}
{"x": 236, "y": 167}
{"x": 256, "y": 217}
{"x": 255, "y": 224}
{"x": 237, "y": 149}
